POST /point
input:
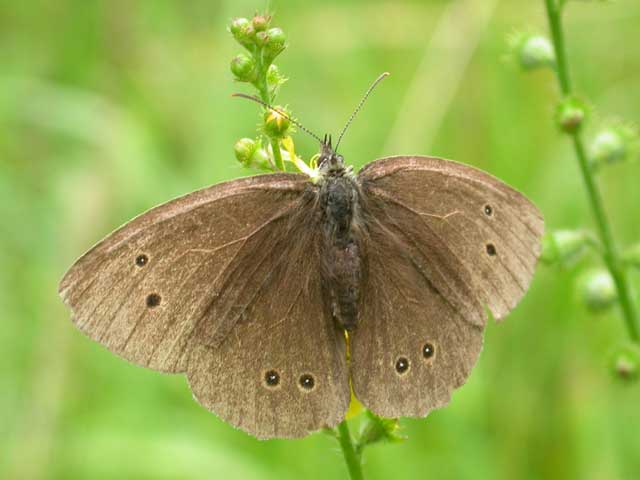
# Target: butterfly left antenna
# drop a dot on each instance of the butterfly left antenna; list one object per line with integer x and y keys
{"x": 359, "y": 107}
{"x": 280, "y": 112}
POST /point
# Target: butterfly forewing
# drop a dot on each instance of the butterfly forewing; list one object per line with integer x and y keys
{"x": 142, "y": 290}
{"x": 470, "y": 221}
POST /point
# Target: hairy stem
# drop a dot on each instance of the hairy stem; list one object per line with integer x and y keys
{"x": 352, "y": 458}
{"x": 609, "y": 248}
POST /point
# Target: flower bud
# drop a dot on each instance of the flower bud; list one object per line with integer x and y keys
{"x": 262, "y": 160}
{"x": 564, "y": 246}
{"x": 570, "y": 114}
{"x": 238, "y": 25}
{"x": 613, "y": 145}
{"x": 534, "y": 51}
{"x": 625, "y": 363}
{"x": 261, "y": 22}
{"x": 274, "y": 43}
{"x": 608, "y": 147}
{"x": 276, "y": 125}
{"x": 245, "y": 149}
{"x": 244, "y": 32}
{"x": 598, "y": 290}
{"x": 251, "y": 154}
{"x": 243, "y": 68}
{"x": 261, "y": 38}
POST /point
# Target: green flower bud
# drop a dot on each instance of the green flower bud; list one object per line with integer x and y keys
{"x": 613, "y": 145}
{"x": 237, "y": 26}
{"x": 564, "y": 246}
{"x": 244, "y": 32}
{"x": 608, "y": 147}
{"x": 598, "y": 291}
{"x": 534, "y": 51}
{"x": 261, "y": 22}
{"x": 571, "y": 114}
{"x": 245, "y": 149}
{"x": 625, "y": 363}
{"x": 243, "y": 68}
{"x": 262, "y": 38}
{"x": 275, "y": 43}
{"x": 262, "y": 160}
{"x": 276, "y": 125}
{"x": 251, "y": 154}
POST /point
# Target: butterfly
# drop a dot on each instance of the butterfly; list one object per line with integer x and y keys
{"x": 276, "y": 295}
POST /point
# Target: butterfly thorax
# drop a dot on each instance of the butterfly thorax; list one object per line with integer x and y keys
{"x": 341, "y": 247}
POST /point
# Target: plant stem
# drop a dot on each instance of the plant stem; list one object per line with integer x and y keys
{"x": 555, "y": 24}
{"x": 352, "y": 458}
{"x": 610, "y": 251}
{"x": 263, "y": 88}
{"x": 277, "y": 154}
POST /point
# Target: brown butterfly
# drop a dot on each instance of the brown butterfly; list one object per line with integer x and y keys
{"x": 248, "y": 287}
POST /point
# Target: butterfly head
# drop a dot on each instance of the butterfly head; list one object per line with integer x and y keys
{"x": 330, "y": 162}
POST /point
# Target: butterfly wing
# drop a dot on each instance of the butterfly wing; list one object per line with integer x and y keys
{"x": 401, "y": 315}
{"x": 143, "y": 289}
{"x": 445, "y": 241}
{"x": 282, "y": 371}
{"x": 222, "y": 284}
{"x": 479, "y": 228}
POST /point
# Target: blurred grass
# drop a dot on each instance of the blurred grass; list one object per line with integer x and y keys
{"x": 108, "y": 108}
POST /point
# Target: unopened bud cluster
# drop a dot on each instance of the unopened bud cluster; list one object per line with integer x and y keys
{"x": 264, "y": 44}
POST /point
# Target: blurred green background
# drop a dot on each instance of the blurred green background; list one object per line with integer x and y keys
{"x": 110, "y": 107}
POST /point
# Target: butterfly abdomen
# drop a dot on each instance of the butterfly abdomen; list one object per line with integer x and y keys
{"x": 342, "y": 269}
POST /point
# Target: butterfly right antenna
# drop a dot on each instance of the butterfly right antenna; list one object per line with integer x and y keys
{"x": 359, "y": 107}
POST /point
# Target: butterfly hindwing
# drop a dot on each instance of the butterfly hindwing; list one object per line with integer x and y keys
{"x": 412, "y": 347}
{"x": 281, "y": 371}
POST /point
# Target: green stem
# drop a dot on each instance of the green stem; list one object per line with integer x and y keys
{"x": 263, "y": 88}
{"x": 352, "y": 458}
{"x": 277, "y": 154}
{"x": 555, "y": 23}
{"x": 610, "y": 250}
